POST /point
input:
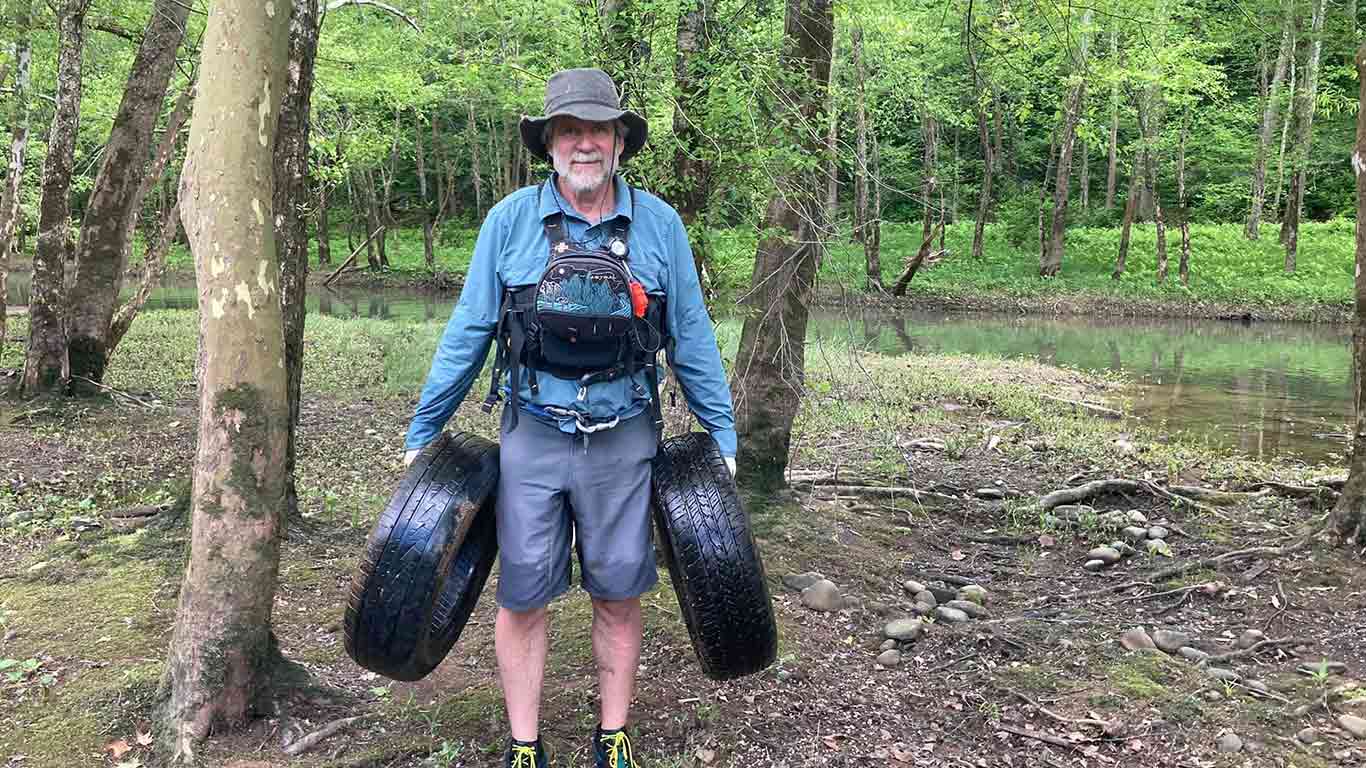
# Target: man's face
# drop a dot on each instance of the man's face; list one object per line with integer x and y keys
{"x": 584, "y": 153}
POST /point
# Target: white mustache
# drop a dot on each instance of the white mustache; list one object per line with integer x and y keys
{"x": 591, "y": 157}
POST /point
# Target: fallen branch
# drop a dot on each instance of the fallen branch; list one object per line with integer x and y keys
{"x": 1254, "y": 649}
{"x": 310, "y": 741}
{"x": 951, "y": 662}
{"x": 1298, "y": 491}
{"x": 1217, "y": 498}
{"x": 1237, "y": 554}
{"x": 1107, "y": 727}
{"x": 115, "y": 392}
{"x": 1167, "y": 592}
{"x": 1086, "y": 491}
{"x": 1046, "y": 738}
{"x": 352, "y": 258}
{"x": 881, "y": 491}
{"x": 1091, "y": 408}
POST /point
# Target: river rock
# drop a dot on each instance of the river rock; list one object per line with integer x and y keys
{"x": 974, "y": 593}
{"x": 950, "y": 615}
{"x": 1191, "y": 653}
{"x": 1353, "y": 725}
{"x": 1219, "y": 673}
{"x": 912, "y": 587}
{"x": 1094, "y": 565}
{"x": 1250, "y": 638}
{"x": 1170, "y": 640}
{"x": 1135, "y": 533}
{"x": 1257, "y": 685}
{"x": 889, "y": 658}
{"x": 942, "y": 594}
{"x": 1104, "y": 554}
{"x": 1137, "y": 518}
{"x": 1157, "y": 532}
{"x": 1307, "y": 736}
{"x": 887, "y": 645}
{"x": 904, "y": 630}
{"x": 822, "y": 596}
{"x": 1137, "y": 639}
{"x": 973, "y": 610}
{"x": 1113, "y": 519}
{"x": 1229, "y": 742}
{"x": 922, "y": 609}
{"x": 800, "y": 581}
{"x": 990, "y": 494}
{"x": 927, "y": 597}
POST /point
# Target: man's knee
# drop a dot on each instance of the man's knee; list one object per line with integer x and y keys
{"x": 617, "y": 612}
{"x": 522, "y": 620}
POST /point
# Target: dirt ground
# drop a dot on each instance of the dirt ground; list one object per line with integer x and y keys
{"x": 1041, "y": 680}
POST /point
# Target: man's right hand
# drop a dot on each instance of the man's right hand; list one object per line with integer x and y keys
{"x": 408, "y": 456}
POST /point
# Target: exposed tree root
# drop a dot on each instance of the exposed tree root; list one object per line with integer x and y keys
{"x": 1204, "y": 499}
{"x": 1087, "y": 491}
{"x": 1253, "y": 650}
{"x": 305, "y": 743}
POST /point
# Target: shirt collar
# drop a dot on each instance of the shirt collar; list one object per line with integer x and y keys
{"x": 551, "y": 202}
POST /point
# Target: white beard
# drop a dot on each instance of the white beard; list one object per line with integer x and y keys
{"x": 580, "y": 179}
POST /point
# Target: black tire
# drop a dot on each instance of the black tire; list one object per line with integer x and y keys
{"x": 712, "y": 558}
{"x": 426, "y": 560}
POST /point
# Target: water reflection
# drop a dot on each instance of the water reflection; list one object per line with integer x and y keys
{"x": 1268, "y": 389}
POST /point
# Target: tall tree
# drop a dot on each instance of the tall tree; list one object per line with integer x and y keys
{"x": 1304, "y": 138}
{"x": 111, "y": 212}
{"x": 1349, "y": 514}
{"x": 19, "y": 118}
{"x": 1113, "y": 160}
{"x": 291, "y": 222}
{"x": 1270, "y": 114}
{"x": 1052, "y": 262}
{"x": 45, "y": 366}
{"x": 222, "y": 652}
{"x": 691, "y": 178}
{"x": 770, "y": 364}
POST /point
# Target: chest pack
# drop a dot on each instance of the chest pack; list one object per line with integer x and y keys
{"x": 586, "y": 320}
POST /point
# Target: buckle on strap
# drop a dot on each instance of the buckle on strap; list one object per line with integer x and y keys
{"x": 582, "y": 422}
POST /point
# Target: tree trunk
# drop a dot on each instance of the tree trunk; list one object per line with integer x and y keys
{"x": 1270, "y": 112}
{"x": 291, "y": 220}
{"x": 984, "y": 199}
{"x": 19, "y": 120}
{"x": 376, "y": 256}
{"x": 872, "y": 228}
{"x": 45, "y": 364}
{"x": 441, "y": 169}
{"x": 1304, "y": 139}
{"x": 1349, "y": 514}
{"x": 860, "y": 144}
{"x": 1285, "y": 140}
{"x": 428, "y": 251}
{"x": 692, "y": 167}
{"x": 1183, "y": 208}
{"x": 110, "y": 215}
{"x": 1130, "y": 206}
{"x": 1043, "y": 192}
{"x": 1062, "y": 183}
{"x": 324, "y": 227}
{"x": 928, "y": 186}
{"x": 952, "y": 216}
{"x": 223, "y": 653}
{"x": 1113, "y": 161}
{"x": 387, "y": 175}
{"x": 1085, "y": 182}
{"x": 478, "y": 181}
{"x": 770, "y": 362}
{"x": 998, "y": 129}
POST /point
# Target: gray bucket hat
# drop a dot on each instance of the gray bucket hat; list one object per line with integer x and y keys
{"x": 587, "y": 94}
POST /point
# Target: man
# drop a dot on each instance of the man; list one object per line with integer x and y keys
{"x": 575, "y": 451}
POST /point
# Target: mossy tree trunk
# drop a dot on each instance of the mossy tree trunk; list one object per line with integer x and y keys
{"x": 107, "y": 228}
{"x": 1304, "y": 104}
{"x": 1271, "y": 110}
{"x": 1349, "y": 516}
{"x": 770, "y": 363}
{"x": 19, "y": 119}
{"x": 222, "y": 650}
{"x": 291, "y": 204}
{"x": 45, "y": 361}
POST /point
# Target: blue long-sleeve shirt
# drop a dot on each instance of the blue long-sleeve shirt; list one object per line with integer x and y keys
{"x": 512, "y": 250}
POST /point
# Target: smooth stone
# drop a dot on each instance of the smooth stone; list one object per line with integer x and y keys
{"x": 878, "y": 607}
{"x": 1094, "y": 565}
{"x": 822, "y": 596}
{"x": 1170, "y": 640}
{"x": 1322, "y": 668}
{"x": 904, "y": 630}
{"x": 1307, "y": 736}
{"x": 1229, "y": 742}
{"x": 912, "y": 587}
{"x": 800, "y": 581}
{"x": 1137, "y": 517}
{"x": 973, "y": 610}
{"x": 1219, "y": 673}
{"x": 1157, "y": 532}
{"x": 1135, "y": 533}
{"x": 887, "y": 645}
{"x": 889, "y": 658}
{"x": 951, "y": 615}
{"x": 927, "y": 597}
{"x": 1353, "y": 725}
{"x": 1250, "y": 638}
{"x": 974, "y": 593}
{"x": 1137, "y": 639}
{"x": 921, "y": 609}
{"x": 1191, "y": 653}
{"x": 1159, "y": 547}
{"x": 941, "y": 594}
{"x": 991, "y": 494}
{"x": 1257, "y": 685}
{"x": 1104, "y": 554}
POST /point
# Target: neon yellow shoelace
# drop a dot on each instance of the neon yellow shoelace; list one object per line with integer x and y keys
{"x": 523, "y": 757}
{"x": 618, "y": 750}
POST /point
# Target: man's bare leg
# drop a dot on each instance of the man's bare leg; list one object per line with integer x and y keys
{"x": 520, "y": 642}
{"x": 616, "y": 646}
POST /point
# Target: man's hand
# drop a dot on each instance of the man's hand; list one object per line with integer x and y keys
{"x": 408, "y": 456}
{"x": 730, "y": 464}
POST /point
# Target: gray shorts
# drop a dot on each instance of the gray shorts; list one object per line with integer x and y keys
{"x": 552, "y": 484}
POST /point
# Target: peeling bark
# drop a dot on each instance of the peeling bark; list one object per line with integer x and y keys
{"x": 45, "y": 363}
{"x": 19, "y": 121}
{"x": 1349, "y": 515}
{"x": 106, "y": 229}
{"x": 222, "y": 650}
{"x": 770, "y": 362}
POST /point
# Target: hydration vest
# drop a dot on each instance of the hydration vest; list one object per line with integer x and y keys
{"x": 586, "y": 320}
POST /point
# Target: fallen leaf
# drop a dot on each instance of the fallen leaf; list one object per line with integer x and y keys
{"x": 145, "y": 738}
{"x": 832, "y": 742}
{"x": 118, "y": 748}
{"x": 1046, "y": 541}
{"x": 957, "y": 554}
{"x": 705, "y": 755}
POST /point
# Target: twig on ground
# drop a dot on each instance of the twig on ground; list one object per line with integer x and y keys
{"x": 1173, "y": 605}
{"x": 116, "y": 392}
{"x": 1237, "y": 554}
{"x": 952, "y": 662}
{"x": 1106, "y": 726}
{"x": 947, "y": 578}
{"x": 1046, "y": 738}
{"x": 1285, "y": 604}
{"x": 305, "y": 743}
{"x": 880, "y": 491}
{"x": 1256, "y": 648}
{"x": 1164, "y": 593}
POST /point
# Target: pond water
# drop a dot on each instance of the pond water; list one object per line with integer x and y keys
{"x": 1266, "y": 389}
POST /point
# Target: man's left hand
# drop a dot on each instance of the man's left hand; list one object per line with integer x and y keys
{"x": 730, "y": 464}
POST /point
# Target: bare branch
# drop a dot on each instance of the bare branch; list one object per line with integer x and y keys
{"x": 335, "y": 4}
